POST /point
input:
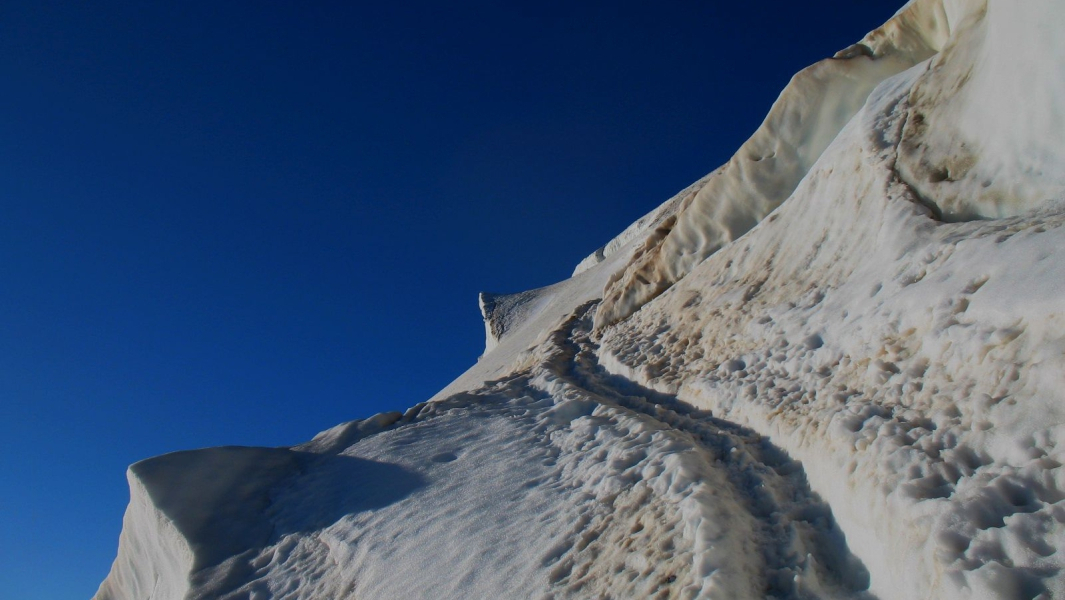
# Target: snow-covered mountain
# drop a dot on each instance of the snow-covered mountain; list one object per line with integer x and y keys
{"x": 833, "y": 367}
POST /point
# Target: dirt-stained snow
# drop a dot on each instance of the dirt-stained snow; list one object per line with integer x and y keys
{"x": 832, "y": 368}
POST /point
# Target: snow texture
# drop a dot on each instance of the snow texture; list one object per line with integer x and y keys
{"x": 833, "y": 368}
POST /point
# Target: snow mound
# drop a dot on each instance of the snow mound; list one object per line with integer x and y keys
{"x": 192, "y": 510}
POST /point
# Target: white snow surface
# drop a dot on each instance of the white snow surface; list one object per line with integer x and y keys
{"x": 832, "y": 368}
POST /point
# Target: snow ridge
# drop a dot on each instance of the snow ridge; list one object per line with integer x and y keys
{"x": 916, "y": 357}
{"x": 804, "y": 120}
{"x": 832, "y": 368}
{"x": 633, "y": 495}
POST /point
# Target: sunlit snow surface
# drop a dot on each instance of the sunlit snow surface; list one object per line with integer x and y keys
{"x": 855, "y": 390}
{"x": 558, "y": 481}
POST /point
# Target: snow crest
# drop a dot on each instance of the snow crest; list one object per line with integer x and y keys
{"x": 914, "y": 366}
{"x": 832, "y": 368}
{"x": 968, "y": 148}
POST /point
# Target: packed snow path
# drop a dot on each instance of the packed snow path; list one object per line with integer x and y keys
{"x": 560, "y": 481}
{"x": 802, "y": 552}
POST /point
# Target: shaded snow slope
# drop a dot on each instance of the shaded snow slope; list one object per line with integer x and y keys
{"x": 833, "y": 368}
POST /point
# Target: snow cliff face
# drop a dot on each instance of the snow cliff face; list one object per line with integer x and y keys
{"x": 834, "y": 368}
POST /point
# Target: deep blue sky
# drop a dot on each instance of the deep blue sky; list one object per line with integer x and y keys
{"x": 242, "y": 223}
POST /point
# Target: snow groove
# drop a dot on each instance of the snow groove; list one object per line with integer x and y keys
{"x": 803, "y": 552}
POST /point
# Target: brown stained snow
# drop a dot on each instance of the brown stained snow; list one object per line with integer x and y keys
{"x": 914, "y": 367}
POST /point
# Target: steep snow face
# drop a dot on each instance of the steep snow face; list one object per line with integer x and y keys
{"x": 844, "y": 378}
{"x": 811, "y": 110}
{"x": 977, "y": 141}
{"x": 154, "y": 559}
{"x": 974, "y": 145}
{"x": 913, "y": 366}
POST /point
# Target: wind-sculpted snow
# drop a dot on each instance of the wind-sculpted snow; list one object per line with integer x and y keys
{"x": 833, "y": 368}
{"x": 915, "y": 367}
{"x": 804, "y": 120}
{"x": 982, "y": 136}
{"x": 505, "y": 314}
{"x": 558, "y": 481}
{"x": 640, "y": 228}
{"x": 977, "y": 142}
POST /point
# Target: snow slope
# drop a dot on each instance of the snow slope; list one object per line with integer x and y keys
{"x": 560, "y": 480}
{"x": 832, "y": 368}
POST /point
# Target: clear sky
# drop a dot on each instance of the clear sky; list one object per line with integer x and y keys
{"x": 242, "y": 223}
